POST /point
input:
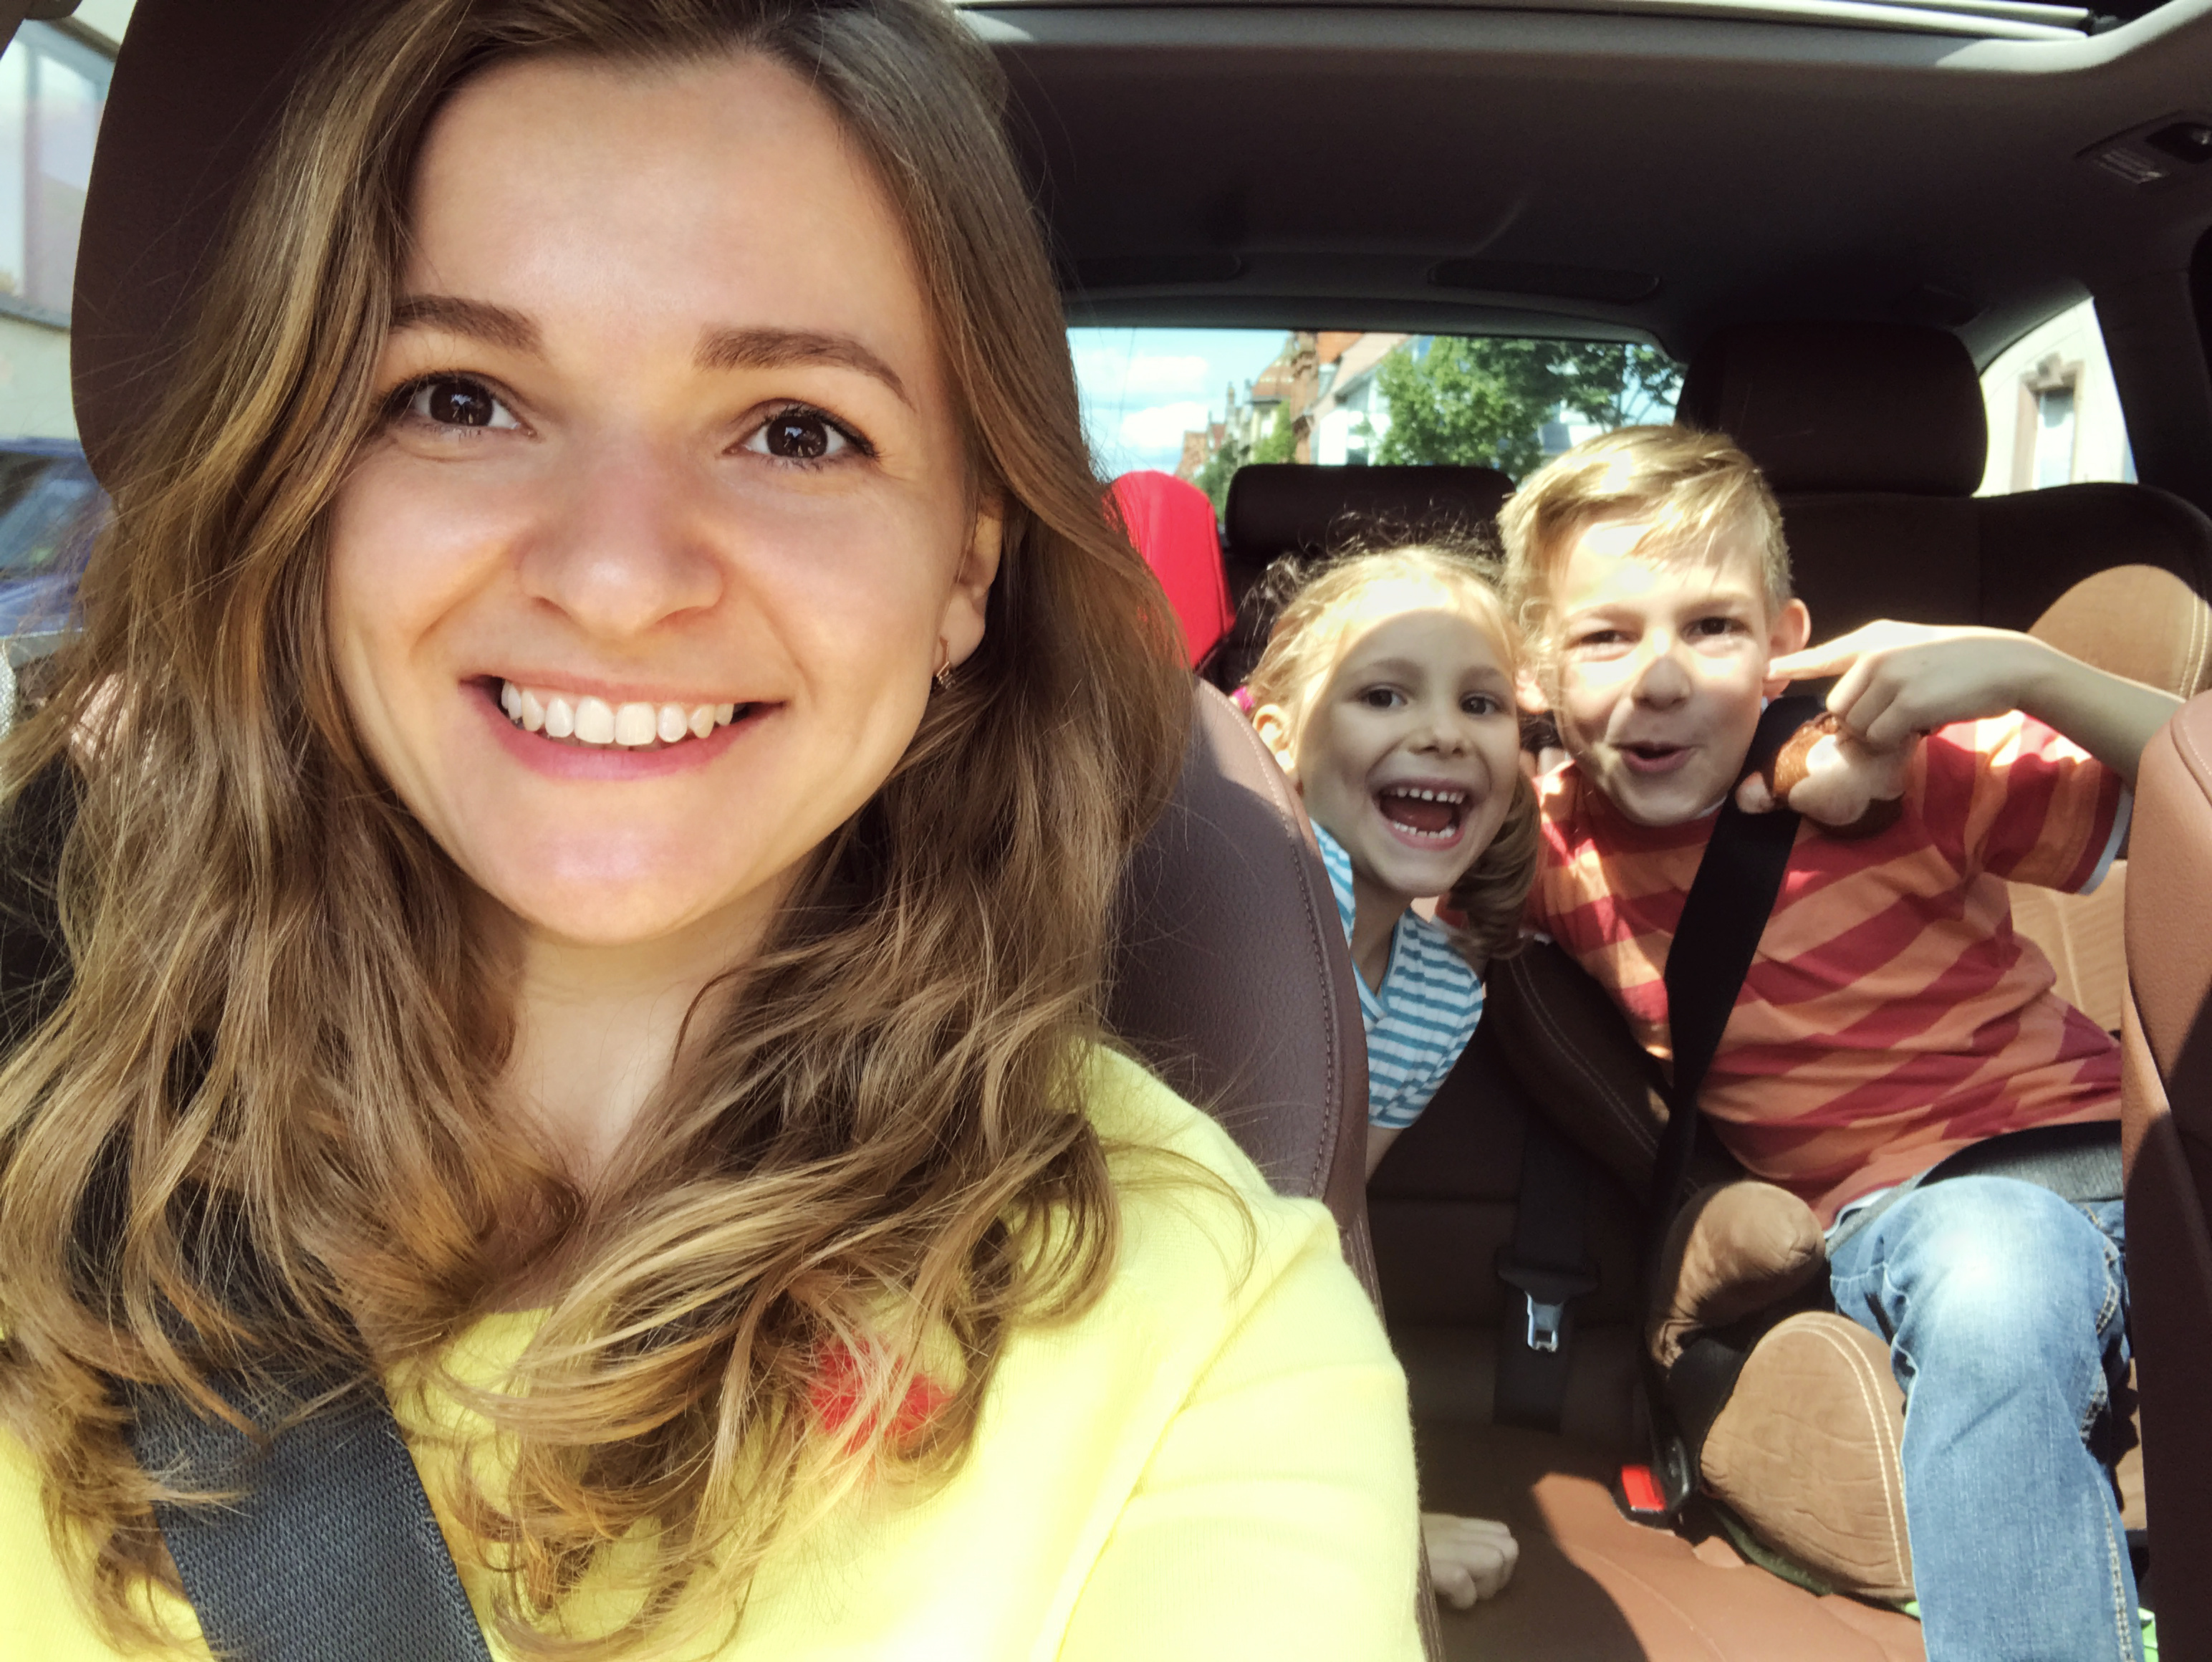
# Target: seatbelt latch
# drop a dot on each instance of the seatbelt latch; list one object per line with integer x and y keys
{"x": 1548, "y": 1290}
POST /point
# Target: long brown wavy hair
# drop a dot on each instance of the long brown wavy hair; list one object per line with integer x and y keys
{"x": 256, "y": 1126}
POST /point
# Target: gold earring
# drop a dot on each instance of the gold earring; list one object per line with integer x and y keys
{"x": 943, "y": 673}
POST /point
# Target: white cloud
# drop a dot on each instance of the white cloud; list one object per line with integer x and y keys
{"x": 1161, "y": 426}
{"x": 1142, "y": 374}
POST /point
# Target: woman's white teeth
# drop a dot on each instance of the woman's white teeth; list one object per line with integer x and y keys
{"x": 594, "y": 721}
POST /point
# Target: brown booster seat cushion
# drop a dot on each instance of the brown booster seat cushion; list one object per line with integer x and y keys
{"x": 1803, "y": 1448}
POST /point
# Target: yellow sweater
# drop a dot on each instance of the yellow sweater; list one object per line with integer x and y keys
{"x": 1199, "y": 1467}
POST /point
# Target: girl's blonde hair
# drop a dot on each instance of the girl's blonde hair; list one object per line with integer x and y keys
{"x": 1317, "y": 602}
{"x": 255, "y": 1125}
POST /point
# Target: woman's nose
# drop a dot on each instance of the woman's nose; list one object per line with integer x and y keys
{"x": 623, "y": 549}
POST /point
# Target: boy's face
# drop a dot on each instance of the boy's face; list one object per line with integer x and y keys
{"x": 1661, "y": 666}
{"x": 1409, "y": 752}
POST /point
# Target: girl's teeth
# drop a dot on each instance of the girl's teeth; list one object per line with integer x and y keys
{"x": 594, "y": 721}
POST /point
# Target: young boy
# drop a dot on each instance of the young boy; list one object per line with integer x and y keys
{"x": 1891, "y": 1016}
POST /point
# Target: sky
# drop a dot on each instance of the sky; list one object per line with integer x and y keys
{"x": 1143, "y": 389}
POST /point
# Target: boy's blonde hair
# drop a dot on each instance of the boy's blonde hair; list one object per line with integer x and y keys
{"x": 1302, "y": 650}
{"x": 1694, "y": 486}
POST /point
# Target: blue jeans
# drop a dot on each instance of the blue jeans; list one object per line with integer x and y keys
{"x": 2005, "y": 1309}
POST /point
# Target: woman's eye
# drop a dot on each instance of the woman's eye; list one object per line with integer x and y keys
{"x": 458, "y": 401}
{"x": 800, "y": 434}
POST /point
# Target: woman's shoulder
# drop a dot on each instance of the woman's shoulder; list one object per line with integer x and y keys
{"x": 1201, "y": 1228}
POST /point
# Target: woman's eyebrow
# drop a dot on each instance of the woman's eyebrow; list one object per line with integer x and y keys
{"x": 773, "y": 349}
{"x": 494, "y": 325}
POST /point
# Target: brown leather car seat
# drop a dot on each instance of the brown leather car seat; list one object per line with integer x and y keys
{"x": 1231, "y": 978}
{"x": 1276, "y": 508}
{"x": 2168, "y": 1105}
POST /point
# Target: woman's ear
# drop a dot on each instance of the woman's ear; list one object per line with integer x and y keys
{"x": 1272, "y": 723}
{"x": 962, "y": 628}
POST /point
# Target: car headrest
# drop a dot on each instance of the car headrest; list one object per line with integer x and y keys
{"x": 1283, "y": 508}
{"x": 196, "y": 91}
{"x": 1845, "y": 407}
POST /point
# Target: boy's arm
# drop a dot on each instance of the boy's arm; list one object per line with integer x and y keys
{"x": 1899, "y": 680}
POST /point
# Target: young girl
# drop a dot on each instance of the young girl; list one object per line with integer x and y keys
{"x": 1387, "y": 692}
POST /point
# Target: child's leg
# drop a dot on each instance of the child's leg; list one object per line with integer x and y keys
{"x": 2003, "y": 1306}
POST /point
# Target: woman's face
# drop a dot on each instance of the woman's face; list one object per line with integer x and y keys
{"x": 637, "y": 595}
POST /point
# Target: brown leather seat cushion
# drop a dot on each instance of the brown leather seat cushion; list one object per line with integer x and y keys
{"x": 1592, "y": 1586}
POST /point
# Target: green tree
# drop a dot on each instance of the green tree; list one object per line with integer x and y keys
{"x": 1280, "y": 443}
{"x": 1214, "y": 478}
{"x": 1486, "y": 401}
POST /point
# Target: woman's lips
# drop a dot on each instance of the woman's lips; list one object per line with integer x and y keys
{"x": 1654, "y": 758}
{"x": 561, "y": 760}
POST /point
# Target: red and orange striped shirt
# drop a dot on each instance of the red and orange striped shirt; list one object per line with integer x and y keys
{"x": 1891, "y": 1014}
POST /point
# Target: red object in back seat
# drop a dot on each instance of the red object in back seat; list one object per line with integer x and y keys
{"x": 1171, "y": 523}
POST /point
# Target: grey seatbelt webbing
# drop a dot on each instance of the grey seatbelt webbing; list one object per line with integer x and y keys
{"x": 332, "y": 1555}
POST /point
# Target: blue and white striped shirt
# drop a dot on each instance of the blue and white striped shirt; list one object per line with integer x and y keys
{"x": 1422, "y": 1017}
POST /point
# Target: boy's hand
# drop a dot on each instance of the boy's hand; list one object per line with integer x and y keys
{"x": 1899, "y": 680}
{"x": 1469, "y": 1558}
{"x": 1831, "y": 778}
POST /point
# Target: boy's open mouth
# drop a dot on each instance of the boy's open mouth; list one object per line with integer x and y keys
{"x": 1651, "y": 757}
{"x": 1423, "y": 814}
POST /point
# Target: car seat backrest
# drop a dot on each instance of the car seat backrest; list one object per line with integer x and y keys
{"x": 2167, "y": 1107}
{"x": 1874, "y": 439}
{"x": 1276, "y": 508}
{"x": 1231, "y": 978}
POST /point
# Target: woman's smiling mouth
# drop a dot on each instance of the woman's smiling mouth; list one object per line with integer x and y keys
{"x": 583, "y": 719}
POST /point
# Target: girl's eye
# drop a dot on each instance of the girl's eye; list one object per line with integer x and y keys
{"x": 1481, "y": 703}
{"x": 1381, "y": 698}
{"x": 458, "y": 401}
{"x": 800, "y": 434}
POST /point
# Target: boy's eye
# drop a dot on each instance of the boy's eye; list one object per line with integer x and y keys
{"x": 1598, "y": 637}
{"x": 455, "y": 401}
{"x": 804, "y": 435}
{"x": 1710, "y": 627}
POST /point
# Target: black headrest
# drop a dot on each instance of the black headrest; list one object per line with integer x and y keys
{"x": 197, "y": 89}
{"x": 1845, "y": 407}
{"x": 1285, "y": 509}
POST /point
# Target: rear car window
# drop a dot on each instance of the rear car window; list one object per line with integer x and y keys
{"x": 2054, "y": 413}
{"x": 1201, "y": 402}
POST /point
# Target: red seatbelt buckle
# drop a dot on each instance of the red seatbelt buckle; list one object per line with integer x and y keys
{"x": 1636, "y": 1491}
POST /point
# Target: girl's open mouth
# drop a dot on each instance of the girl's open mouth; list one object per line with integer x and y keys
{"x": 1425, "y": 816}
